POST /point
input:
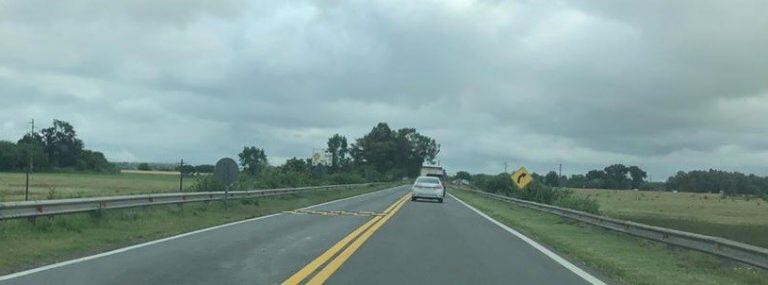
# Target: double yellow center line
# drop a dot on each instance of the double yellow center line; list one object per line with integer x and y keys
{"x": 349, "y": 244}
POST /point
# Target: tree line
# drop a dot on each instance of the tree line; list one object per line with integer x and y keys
{"x": 56, "y": 148}
{"x": 383, "y": 154}
{"x": 186, "y": 169}
{"x": 621, "y": 177}
{"x": 718, "y": 181}
{"x": 615, "y": 176}
{"x": 537, "y": 191}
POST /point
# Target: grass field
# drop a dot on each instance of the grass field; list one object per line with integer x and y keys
{"x": 48, "y": 240}
{"x": 158, "y": 172}
{"x": 625, "y": 259}
{"x": 737, "y": 219}
{"x": 74, "y": 185}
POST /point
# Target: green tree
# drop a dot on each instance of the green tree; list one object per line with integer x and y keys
{"x": 393, "y": 153}
{"x": 500, "y": 183}
{"x": 536, "y": 177}
{"x": 463, "y": 175}
{"x": 596, "y": 179}
{"x": 413, "y": 149}
{"x": 638, "y": 176}
{"x": 10, "y": 156}
{"x": 144, "y": 166}
{"x": 33, "y": 145}
{"x": 186, "y": 169}
{"x": 93, "y": 161}
{"x": 425, "y": 148}
{"x": 377, "y": 148}
{"x": 551, "y": 179}
{"x": 596, "y": 174}
{"x": 337, "y": 147}
{"x": 297, "y": 165}
{"x": 204, "y": 168}
{"x": 405, "y": 158}
{"x": 716, "y": 181}
{"x": 61, "y": 144}
{"x": 253, "y": 160}
{"x": 577, "y": 181}
{"x": 616, "y": 176}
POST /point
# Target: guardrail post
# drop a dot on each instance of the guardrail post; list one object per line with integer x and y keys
{"x": 100, "y": 211}
{"x": 226, "y": 198}
{"x": 181, "y": 203}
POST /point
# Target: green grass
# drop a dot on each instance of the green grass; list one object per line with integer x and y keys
{"x": 24, "y": 244}
{"x": 74, "y": 185}
{"x": 732, "y": 218}
{"x": 620, "y": 257}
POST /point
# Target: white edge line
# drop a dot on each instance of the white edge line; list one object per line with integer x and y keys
{"x": 565, "y": 263}
{"x": 124, "y": 249}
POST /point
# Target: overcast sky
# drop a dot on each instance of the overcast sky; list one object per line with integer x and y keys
{"x": 666, "y": 85}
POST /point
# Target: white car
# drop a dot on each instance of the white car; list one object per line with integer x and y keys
{"x": 428, "y": 188}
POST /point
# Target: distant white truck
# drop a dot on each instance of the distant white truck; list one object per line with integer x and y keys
{"x": 434, "y": 171}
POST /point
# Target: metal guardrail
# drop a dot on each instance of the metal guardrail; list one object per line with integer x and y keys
{"x": 726, "y": 248}
{"x": 30, "y": 209}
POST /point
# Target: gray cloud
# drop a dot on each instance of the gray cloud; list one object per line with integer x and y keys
{"x": 665, "y": 85}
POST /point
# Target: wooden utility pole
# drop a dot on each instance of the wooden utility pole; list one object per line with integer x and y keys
{"x": 181, "y": 175}
{"x": 30, "y": 148}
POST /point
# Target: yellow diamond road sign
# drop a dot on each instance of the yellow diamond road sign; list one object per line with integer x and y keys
{"x": 521, "y": 178}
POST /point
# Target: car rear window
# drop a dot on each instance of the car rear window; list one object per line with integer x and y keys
{"x": 428, "y": 180}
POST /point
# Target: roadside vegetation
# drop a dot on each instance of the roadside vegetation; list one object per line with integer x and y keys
{"x": 64, "y": 169}
{"x": 621, "y": 177}
{"x": 623, "y": 258}
{"x": 537, "y": 192}
{"x": 716, "y": 181}
{"x": 56, "y": 148}
{"x": 384, "y": 154}
{"x": 731, "y": 205}
{"x": 741, "y": 219}
{"x": 27, "y": 244}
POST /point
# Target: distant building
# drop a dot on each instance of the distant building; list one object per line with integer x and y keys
{"x": 320, "y": 157}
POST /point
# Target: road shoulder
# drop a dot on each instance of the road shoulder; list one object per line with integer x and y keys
{"x": 623, "y": 259}
{"x": 61, "y": 239}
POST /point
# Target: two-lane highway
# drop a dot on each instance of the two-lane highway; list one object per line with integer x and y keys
{"x": 381, "y": 237}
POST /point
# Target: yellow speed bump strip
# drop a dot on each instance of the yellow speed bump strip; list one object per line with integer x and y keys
{"x": 364, "y": 232}
{"x": 334, "y": 213}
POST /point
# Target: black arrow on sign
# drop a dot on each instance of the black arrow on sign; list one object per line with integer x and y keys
{"x": 521, "y": 177}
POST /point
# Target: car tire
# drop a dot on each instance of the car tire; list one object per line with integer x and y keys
{"x": 413, "y": 199}
{"x": 440, "y": 200}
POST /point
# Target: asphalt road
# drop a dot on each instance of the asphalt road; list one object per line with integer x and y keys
{"x": 421, "y": 243}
